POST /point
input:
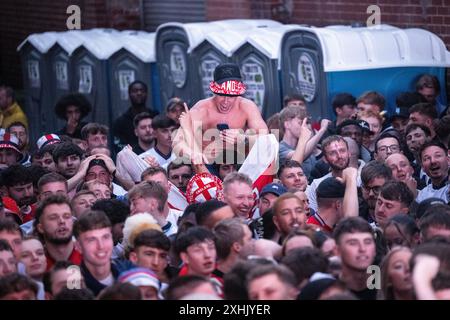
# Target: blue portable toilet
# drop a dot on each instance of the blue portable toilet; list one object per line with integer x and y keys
{"x": 259, "y": 60}
{"x": 134, "y": 61}
{"x": 60, "y": 72}
{"x": 35, "y": 71}
{"x": 322, "y": 62}
{"x": 89, "y": 65}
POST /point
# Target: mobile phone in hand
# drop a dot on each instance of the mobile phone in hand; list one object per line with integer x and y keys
{"x": 222, "y": 126}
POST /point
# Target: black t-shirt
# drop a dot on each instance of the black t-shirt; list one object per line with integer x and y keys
{"x": 366, "y": 294}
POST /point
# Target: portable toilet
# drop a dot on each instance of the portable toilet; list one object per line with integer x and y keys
{"x": 36, "y": 76}
{"x": 135, "y": 61}
{"x": 90, "y": 76}
{"x": 174, "y": 44}
{"x": 322, "y": 62}
{"x": 217, "y": 48}
{"x": 259, "y": 59}
{"x": 60, "y": 71}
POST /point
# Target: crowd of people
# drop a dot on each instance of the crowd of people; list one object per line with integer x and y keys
{"x": 170, "y": 205}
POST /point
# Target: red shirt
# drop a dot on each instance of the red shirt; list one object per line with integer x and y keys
{"x": 75, "y": 257}
{"x": 318, "y": 221}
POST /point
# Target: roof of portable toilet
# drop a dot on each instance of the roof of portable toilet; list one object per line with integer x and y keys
{"x": 346, "y": 48}
{"x": 139, "y": 43}
{"x": 227, "y": 41}
{"x": 268, "y": 40}
{"x": 249, "y": 23}
{"x": 41, "y": 41}
{"x": 196, "y": 32}
{"x": 70, "y": 40}
{"x": 101, "y": 44}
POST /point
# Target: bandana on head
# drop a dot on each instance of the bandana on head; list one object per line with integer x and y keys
{"x": 230, "y": 87}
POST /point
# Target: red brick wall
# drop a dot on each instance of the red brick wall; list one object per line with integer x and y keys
{"x": 21, "y": 18}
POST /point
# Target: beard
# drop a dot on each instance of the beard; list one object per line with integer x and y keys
{"x": 339, "y": 167}
{"x": 27, "y": 201}
{"x": 58, "y": 241}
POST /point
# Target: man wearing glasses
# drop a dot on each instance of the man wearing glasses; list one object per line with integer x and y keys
{"x": 373, "y": 176}
{"x": 386, "y": 145}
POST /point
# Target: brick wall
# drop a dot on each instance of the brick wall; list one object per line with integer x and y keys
{"x": 21, "y": 18}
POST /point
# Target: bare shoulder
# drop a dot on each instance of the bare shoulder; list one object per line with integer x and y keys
{"x": 248, "y": 106}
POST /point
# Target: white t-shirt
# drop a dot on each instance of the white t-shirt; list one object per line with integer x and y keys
{"x": 429, "y": 192}
{"x": 173, "y": 217}
{"x": 159, "y": 157}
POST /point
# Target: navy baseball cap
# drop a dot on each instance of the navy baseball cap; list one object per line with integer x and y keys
{"x": 275, "y": 188}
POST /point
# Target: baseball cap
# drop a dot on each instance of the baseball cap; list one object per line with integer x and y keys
{"x": 9, "y": 141}
{"x": 47, "y": 139}
{"x": 227, "y": 80}
{"x": 400, "y": 113}
{"x": 330, "y": 188}
{"x": 275, "y": 188}
{"x": 348, "y": 122}
{"x": 425, "y": 204}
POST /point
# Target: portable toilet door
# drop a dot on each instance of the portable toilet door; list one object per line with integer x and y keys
{"x": 132, "y": 62}
{"x": 174, "y": 43}
{"x": 60, "y": 79}
{"x": 90, "y": 74}
{"x": 35, "y": 71}
{"x": 302, "y": 70}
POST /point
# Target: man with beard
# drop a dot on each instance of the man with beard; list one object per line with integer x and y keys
{"x": 374, "y": 175}
{"x": 20, "y": 131}
{"x": 144, "y": 132}
{"x": 336, "y": 154}
{"x": 435, "y": 162}
{"x": 54, "y": 224}
{"x": 123, "y": 129}
{"x": 19, "y": 185}
{"x": 356, "y": 247}
{"x": 288, "y": 214}
{"x": 67, "y": 157}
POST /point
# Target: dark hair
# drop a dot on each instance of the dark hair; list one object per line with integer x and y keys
{"x": 372, "y": 97}
{"x": 74, "y": 294}
{"x": 330, "y": 139}
{"x": 115, "y": 210}
{"x": 432, "y": 143}
{"x": 4, "y": 246}
{"x": 304, "y": 262}
{"x": 283, "y": 273}
{"x": 93, "y": 128}
{"x": 397, "y": 191}
{"x": 152, "y": 238}
{"x": 150, "y": 171}
{"x": 16, "y": 175}
{"x": 90, "y": 220}
{"x": 130, "y": 86}
{"x": 16, "y": 282}
{"x": 187, "y": 219}
{"x": 139, "y": 117}
{"x": 10, "y": 226}
{"x": 59, "y": 265}
{"x": 192, "y": 236}
{"x": 174, "y": 102}
{"x": 428, "y": 81}
{"x": 342, "y": 99}
{"x": 176, "y": 165}
{"x": 72, "y": 99}
{"x": 407, "y": 223}
{"x": 438, "y": 216}
{"x": 9, "y": 91}
{"x": 375, "y": 169}
{"x": 49, "y": 178}
{"x": 287, "y": 165}
{"x": 408, "y": 99}
{"x": 293, "y": 97}
{"x": 205, "y": 209}
{"x": 442, "y": 128}
{"x": 48, "y": 148}
{"x": 181, "y": 286}
{"x": 16, "y": 124}
{"x": 386, "y": 135}
{"x": 52, "y": 199}
{"x": 66, "y": 149}
{"x": 413, "y": 126}
{"x": 351, "y": 225}
{"x": 163, "y": 122}
{"x": 120, "y": 291}
{"x": 425, "y": 108}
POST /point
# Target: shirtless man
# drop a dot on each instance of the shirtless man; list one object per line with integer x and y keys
{"x": 227, "y": 113}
